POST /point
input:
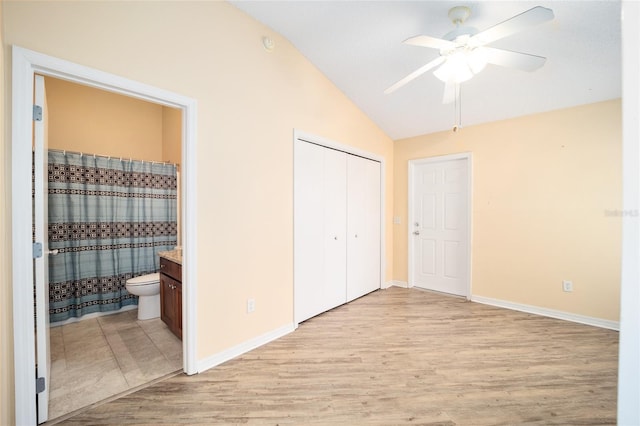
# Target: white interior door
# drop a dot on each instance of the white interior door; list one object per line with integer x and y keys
{"x": 439, "y": 225}
{"x": 41, "y": 264}
{"x": 363, "y": 226}
{"x": 319, "y": 229}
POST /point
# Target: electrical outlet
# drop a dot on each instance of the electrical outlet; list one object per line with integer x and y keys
{"x": 251, "y": 305}
{"x": 567, "y": 286}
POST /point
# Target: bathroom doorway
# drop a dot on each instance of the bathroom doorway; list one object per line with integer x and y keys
{"x": 25, "y": 64}
{"x": 101, "y": 354}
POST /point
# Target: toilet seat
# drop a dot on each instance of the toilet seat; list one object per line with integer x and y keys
{"x": 145, "y": 279}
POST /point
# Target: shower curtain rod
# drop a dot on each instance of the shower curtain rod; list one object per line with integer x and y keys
{"x": 110, "y": 157}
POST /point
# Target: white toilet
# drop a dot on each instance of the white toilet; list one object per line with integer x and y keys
{"x": 147, "y": 288}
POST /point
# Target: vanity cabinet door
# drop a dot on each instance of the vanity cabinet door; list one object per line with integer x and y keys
{"x": 178, "y": 309}
{"x": 172, "y": 269}
{"x": 170, "y": 308}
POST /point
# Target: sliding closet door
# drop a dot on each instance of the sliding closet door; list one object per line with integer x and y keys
{"x": 363, "y": 226}
{"x": 319, "y": 229}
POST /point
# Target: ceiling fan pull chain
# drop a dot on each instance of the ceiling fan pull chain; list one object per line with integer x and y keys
{"x": 457, "y": 108}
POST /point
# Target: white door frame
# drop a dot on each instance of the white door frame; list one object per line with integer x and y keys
{"x": 411, "y": 219}
{"x": 41, "y": 265}
{"x": 25, "y": 64}
{"x": 300, "y": 136}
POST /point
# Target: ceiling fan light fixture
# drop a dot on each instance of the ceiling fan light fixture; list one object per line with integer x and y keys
{"x": 477, "y": 59}
{"x": 455, "y": 69}
{"x": 462, "y": 64}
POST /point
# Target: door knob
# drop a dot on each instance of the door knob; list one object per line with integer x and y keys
{"x": 416, "y": 232}
{"x": 53, "y": 252}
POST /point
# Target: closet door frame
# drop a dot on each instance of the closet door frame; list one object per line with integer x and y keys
{"x": 304, "y": 137}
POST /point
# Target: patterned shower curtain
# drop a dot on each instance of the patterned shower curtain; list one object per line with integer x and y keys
{"x": 108, "y": 218}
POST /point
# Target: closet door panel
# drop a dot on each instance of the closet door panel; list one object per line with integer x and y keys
{"x": 363, "y": 226}
{"x": 372, "y": 218}
{"x": 308, "y": 230}
{"x": 335, "y": 223}
{"x": 319, "y": 230}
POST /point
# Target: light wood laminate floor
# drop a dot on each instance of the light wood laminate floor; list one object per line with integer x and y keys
{"x": 96, "y": 358}
{"x": 397, "y": 356}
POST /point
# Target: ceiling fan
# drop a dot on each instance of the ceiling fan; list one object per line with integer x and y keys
{"x": 464, "y": 51}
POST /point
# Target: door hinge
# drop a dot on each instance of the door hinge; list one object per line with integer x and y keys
{"x": 41, "y": 384}
{"x": 37, "y": 250}
{"x": 37, "y": 113}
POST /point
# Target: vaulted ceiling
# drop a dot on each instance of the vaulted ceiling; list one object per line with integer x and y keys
{"x": 358, "y": 46}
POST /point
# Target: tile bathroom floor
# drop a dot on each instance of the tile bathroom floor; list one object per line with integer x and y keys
{"x": 97, "y": 358}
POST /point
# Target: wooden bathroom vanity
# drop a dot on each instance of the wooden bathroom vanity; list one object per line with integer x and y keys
{"x": 171, "y": 290}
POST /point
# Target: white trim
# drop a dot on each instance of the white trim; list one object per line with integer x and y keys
{"x": 23, "y": 309}
{"x": 189, "y": 241}
{"x": 437, "y": 159}
{"x": 629, "y": 359}
{"x": 318, "y": 140}
{"x": 244, "y": 347}
{"x": 545, "y": 312}
{"x": 396, "y": 283}
{"x": 25, "y": 64}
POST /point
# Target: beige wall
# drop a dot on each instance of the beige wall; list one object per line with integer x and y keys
{"x": 94, "y": 121}
{"x": 249, "y": 102}
{"x": 544, "y": 188}
{"x": 6, "y": 295}
{"x": 171, "y": 135}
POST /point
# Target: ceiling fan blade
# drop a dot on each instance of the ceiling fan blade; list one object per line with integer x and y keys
{"x": 415, "y": 74}
{"x": 450, "y": 92}
{"x": 520, "y": 22}
{"x": 518, "y": 60}
{"x": 426, "y": 41}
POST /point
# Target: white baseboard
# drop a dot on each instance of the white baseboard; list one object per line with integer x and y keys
{"x": 552, "y": 313}
{"x": 396, "y": 283}
{"x": 242, "y": 348}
